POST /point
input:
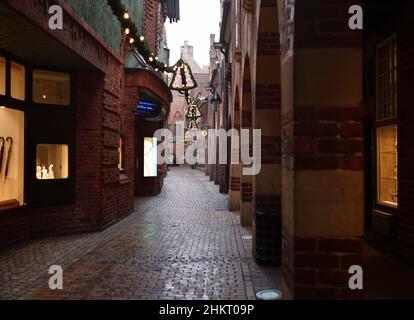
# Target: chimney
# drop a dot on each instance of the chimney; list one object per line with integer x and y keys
{"x": 187, "y": 50}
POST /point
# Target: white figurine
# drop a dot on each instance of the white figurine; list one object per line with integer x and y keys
{"x": 44, "y": 173}
{"x": 39, "y": 172}
{"x": 51, "y": 172}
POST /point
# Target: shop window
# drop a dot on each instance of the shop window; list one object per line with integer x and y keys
{"x": 51, "y": 87}
{"x": 2, "y": 76}
{"x": 121, "y": 154}
{"x": 18, "y": 81}
{"x": 11, "y": 158}
{"x": 387, "y": 165}
{"x": 387, "y": 133}
{"x": 150, "y": 157}
{"x": 52, "y": 161}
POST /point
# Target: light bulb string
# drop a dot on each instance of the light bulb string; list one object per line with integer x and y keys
{"x": 139, "y": 41}
{"x": 130, "y": 29}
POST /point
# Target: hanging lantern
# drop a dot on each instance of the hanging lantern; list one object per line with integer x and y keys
{"x": 183, "y": 79}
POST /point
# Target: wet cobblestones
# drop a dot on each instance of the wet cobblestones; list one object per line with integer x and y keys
{"x": 182, "y": 244}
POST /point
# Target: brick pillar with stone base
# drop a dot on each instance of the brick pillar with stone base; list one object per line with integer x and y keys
{"x": 266, "y": 202}
{"x": 322, "y": 164}
{"x": 246, "y": 186}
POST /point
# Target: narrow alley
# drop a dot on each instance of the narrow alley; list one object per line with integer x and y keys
{"x": 182, "y": 244}
{"x": 206, "y": 150}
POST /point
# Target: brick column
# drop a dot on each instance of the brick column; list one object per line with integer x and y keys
{"x": 246, "y": 123}
{"x": 235, "y": 177}
{"x": 266, "y": 202}
{"x": 322, "y": 177}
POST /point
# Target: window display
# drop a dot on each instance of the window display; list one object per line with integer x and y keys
{"x": 18, "y": 81}
{"x": 51, "y": 87}
{"x": 387, "y": 165}
{"x": 150, "y": 157}
{"x": 2, "y": 76}
{"x": 11, "y": 158}
{"x": 52, "y": 161}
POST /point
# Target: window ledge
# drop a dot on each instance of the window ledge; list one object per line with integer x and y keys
{"x": 124, "y": 179}
{"x": 9, "y": 205}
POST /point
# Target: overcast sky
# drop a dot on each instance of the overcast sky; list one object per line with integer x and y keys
{"x": 199, "y": 19}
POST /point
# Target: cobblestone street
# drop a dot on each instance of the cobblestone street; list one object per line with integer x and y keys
{"x": 182, "y": 244}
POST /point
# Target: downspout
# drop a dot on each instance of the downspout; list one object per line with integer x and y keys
{"x": 225, "y": 85}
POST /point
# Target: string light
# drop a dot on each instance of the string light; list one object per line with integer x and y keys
{"x": 124, "y": 17}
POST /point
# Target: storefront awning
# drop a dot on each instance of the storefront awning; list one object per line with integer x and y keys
{"x": 24, "y": 40}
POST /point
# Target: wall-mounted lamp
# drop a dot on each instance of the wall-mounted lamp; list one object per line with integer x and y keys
{"x": 215, "y": 98}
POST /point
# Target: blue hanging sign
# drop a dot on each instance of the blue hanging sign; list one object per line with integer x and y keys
{"x": 146, "y": 108}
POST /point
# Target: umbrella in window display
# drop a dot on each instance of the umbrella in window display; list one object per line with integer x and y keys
{"x": 2, "y": 141}
{"x": 9, "y": 142}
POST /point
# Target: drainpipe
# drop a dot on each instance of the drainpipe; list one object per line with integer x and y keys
{"x": 225, "y": 83}
{"x": 224, "y": 48}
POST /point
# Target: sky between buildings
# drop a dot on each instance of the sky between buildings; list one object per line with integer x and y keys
{"x": 199, "y": 19}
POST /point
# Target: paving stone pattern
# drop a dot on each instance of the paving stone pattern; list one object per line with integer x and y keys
{"x": 182, "y": 244}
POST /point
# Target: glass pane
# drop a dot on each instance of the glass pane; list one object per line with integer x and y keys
{"x": 150, "y": 157}
{"x": 387, "y": 166}
{"x": 18, "y": 81}
{"x": 52, "y": 161}
{"x": 2, "y": 76}
{"x": 11, "y": 158}
{"x": 51, "y": 87}
{"x": 386, "y": 79}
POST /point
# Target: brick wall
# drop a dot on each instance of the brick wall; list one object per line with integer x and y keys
{"x": 134, "y": 82}
{"x": 321, "y": 267}
{"x": 102, "y": 195}
{"x": 151, "y": 24}
{"x": 334, "y": 143}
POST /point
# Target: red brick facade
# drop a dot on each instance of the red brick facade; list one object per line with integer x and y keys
{"x": 103, "y": 195}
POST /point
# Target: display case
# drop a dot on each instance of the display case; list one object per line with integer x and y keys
{"x": 150, "y": 157}
{"x": 11, "y": 158}
{"x": 52, "y": 162}
{"x": 387, "y": 162}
